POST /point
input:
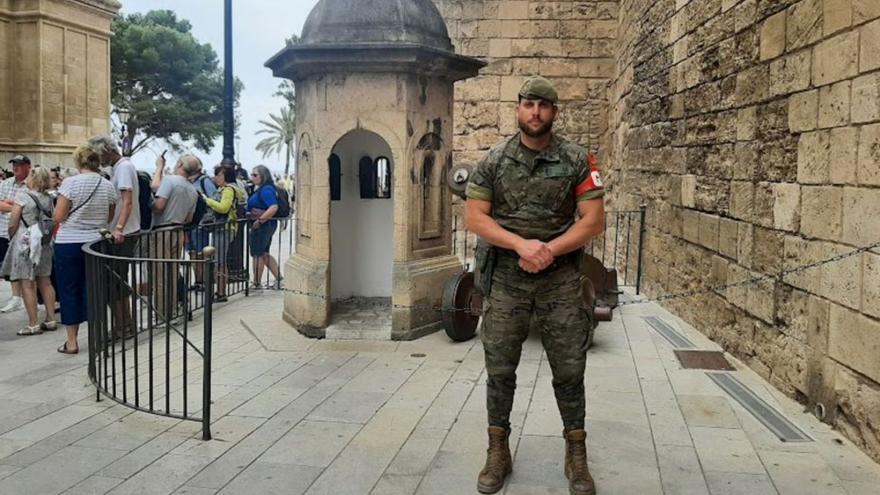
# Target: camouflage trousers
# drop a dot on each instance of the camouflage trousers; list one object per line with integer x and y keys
{"x": 553, "y": 301}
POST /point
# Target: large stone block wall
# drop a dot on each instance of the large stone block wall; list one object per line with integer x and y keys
{"x": 752, "y": 130}
{"x": 54, "y": 76}
{"x": 570, "y": 42}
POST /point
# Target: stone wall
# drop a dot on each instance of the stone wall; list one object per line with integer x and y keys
{"x": 54, "y": 76}
{"x": 570, "y": 42}
{"x": 752, "y": 130}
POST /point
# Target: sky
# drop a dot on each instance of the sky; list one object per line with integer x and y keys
{"x": 259, "y": 30}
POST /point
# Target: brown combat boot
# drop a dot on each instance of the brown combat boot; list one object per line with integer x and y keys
{"x": 576, "y": 470}
{"x": 498, "y": 461}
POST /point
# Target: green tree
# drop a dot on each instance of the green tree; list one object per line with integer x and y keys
{"x": 170, "y": 82}
{"x": 280, "y": 132}
{"x": 287, "y": 91}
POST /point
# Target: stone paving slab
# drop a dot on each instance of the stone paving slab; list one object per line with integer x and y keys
{"x": 298, "y": 416}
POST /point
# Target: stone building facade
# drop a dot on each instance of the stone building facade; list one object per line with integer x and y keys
{"x": 54, "y": 76}
{"x": 751, "y": 129}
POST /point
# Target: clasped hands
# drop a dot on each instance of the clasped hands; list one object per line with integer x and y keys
{"x": 534, "y": 256}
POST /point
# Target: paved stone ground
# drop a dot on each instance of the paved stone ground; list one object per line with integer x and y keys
{"x": 367, "y": 318}
{"x": 295, "y": 416}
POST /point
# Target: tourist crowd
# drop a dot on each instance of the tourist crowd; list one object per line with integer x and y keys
{"x": 48, "y": 215}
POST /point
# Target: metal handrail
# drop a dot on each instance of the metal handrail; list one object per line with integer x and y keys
{"x": 150, "y": 294}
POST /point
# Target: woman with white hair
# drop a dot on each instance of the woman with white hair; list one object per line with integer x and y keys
{"x": 30, "y": 218}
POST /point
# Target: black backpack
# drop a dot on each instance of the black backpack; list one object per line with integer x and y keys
{"x": 145, "y": 200}
{"x": 198, "y": 213}
{"x": 208, "y": 216}
{"x": 283, "y": 203}
{"x": 201, "y": 207}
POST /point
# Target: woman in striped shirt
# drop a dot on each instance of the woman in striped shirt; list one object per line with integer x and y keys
{"x": 86, "y": 204}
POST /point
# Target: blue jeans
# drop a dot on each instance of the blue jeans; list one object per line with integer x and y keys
{"x": 70, "y": 275}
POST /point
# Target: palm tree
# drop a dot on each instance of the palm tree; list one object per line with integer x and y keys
{"x": 280, "y": 137}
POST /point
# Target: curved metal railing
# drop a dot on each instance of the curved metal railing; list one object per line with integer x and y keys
{"x": 150, "y": 314}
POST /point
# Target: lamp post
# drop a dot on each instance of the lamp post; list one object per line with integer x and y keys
{"x": 124, "y": 114}
{"x": 228, "y": 93}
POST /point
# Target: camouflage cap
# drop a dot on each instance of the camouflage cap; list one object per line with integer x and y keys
{"x": 539, "y": 88}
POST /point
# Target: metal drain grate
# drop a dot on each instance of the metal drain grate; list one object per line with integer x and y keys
{"x": 784, "y": 429}
{"x": 703, "y": 360}
{"x": 672, "y": 335}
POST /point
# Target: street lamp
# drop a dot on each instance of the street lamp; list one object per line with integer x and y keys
{"x": 124, "y": 114}
{"x": 228, "y": 93}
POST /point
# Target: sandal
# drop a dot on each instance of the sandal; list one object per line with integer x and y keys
{"x": 30, "y": 330}
{"x": 64, "y": 350}
{"x": 49, "y": 326}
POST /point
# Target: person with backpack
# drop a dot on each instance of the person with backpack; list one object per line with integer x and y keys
{"x": 29, "y": 261}
{"x": 263, "y": 206}
{"x": 224, "y": 207}
{"x": 199, "y": 230}
{"x": 236, "y": 258}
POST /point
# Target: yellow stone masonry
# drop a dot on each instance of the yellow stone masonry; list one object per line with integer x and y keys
{"x": 798, "y": 81}
{"x": 54, "y": 75}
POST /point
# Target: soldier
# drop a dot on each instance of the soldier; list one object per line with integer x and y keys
{"x": 522, "y": 201}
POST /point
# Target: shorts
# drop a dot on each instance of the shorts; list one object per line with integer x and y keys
{"x": 261, "y": 238}
{"x": 122, "y": 278}
{"x": 4, "y": 247}
{"x": 197, "y": 240}
{"x": 221, "y": 239}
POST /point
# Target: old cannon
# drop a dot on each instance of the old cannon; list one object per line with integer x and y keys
{"x": 463, "y": 300}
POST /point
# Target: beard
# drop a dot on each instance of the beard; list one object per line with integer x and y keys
{"x": 536, "y": 133}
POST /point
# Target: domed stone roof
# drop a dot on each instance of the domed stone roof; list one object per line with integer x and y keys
{"x": 365, "y": 22}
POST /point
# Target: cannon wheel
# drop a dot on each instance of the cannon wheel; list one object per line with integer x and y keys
{"x": 459, "y": 320}
{"x": 590, "y": 303}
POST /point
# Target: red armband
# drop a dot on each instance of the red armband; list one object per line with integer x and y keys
{"x": 593, "y": 180}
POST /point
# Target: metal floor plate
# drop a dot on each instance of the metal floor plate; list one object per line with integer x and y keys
{"x": 669, "y": 333}
{"x": 781, "y": 426}
{"x": 703, "y": 360}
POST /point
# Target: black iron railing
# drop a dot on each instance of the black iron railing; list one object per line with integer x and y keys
{"x": 621, "y": 245}
{"x": 145, "y": 351}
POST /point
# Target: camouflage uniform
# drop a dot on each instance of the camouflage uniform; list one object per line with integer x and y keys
{"x": 534, "y": 195}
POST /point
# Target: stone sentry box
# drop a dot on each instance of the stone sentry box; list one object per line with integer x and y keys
{"x": 374, "y": 85}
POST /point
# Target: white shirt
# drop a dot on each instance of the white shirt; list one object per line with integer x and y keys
{"x": 84, "y": 224}
{"x": 9, "y": 189}
{"x": 125, "y": 179}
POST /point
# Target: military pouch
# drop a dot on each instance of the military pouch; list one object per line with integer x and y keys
{"x": 485, "y": 258}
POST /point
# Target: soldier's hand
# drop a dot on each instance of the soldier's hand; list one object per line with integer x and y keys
{"x": 528, "y": 267}
{"x": 536, "y": 253}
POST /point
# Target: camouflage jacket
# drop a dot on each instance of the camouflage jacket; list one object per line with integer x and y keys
{"x": 535, "y": 195}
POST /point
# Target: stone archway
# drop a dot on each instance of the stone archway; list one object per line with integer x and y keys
{"x": 362, "y": 219}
